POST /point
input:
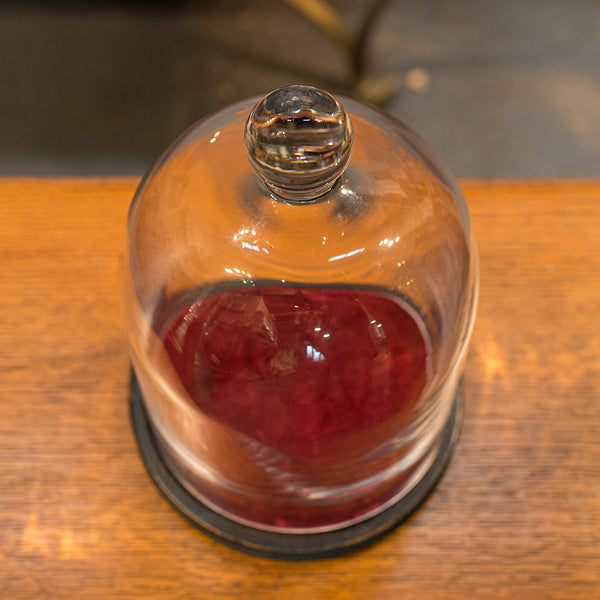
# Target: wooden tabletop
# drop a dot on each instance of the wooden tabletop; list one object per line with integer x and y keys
{"x": 517, "y": 514}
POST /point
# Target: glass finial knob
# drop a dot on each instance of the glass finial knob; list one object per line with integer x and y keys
{"x": 298, "y": 141}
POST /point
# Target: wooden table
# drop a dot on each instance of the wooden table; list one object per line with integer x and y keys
{"x": 517, "y": 514}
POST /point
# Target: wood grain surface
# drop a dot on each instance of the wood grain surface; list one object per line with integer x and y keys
{"x": 517, "y": 514}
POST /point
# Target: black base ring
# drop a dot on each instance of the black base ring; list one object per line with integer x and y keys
{"x": 287, "y": 546}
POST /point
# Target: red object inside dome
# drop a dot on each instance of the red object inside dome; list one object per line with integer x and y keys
{"x": 299, "y": 367}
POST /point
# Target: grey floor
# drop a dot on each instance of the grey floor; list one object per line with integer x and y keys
{"x": 498, "y": 88}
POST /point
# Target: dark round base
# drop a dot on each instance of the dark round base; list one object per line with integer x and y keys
{"x": 286, "y": 546}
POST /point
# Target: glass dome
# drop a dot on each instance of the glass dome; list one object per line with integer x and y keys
{"x": 301, "y": 287}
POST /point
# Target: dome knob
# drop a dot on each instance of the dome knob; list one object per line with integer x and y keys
{"x": 298, "y": 140}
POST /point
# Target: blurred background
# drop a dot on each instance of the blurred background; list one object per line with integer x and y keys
{"x": 498, "y": 89}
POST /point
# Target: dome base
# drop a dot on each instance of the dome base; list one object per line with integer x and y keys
{"x": 287, "y": 546}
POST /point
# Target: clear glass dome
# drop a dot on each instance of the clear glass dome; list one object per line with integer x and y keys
{"x": 301, "y": 289}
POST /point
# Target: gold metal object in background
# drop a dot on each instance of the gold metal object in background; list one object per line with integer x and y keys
{"x": 320, "y": 13}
